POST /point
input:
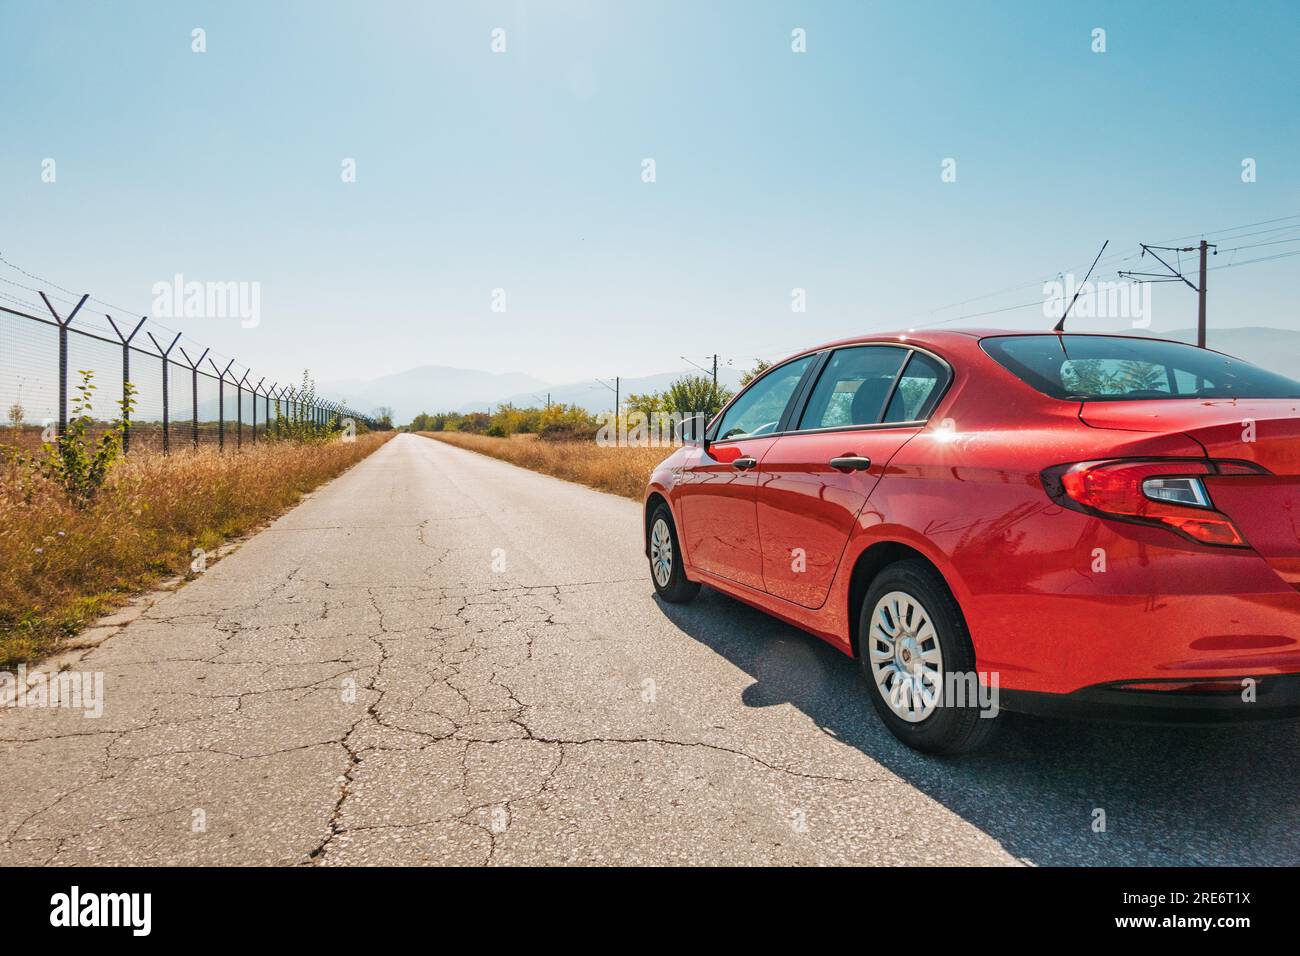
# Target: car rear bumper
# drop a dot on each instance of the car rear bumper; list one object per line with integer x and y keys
{"x": 1063, "y": 644}
{"x": 1231, "y": 700}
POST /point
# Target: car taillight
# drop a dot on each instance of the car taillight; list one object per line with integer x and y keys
{"x": 1168, "y": 492}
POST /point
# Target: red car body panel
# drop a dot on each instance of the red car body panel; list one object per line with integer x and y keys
{"x": 808, "y": 511}
{"x": 718, "y": 518}
{"x": 964, "y": 490}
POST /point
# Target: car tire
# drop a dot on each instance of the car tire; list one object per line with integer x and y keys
{"x": 666, "y": 569}
{"x": 906, "y": 676}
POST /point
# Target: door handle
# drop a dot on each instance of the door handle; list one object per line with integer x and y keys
{"x": 851, "y": 463}
{"x": 744, "y": 463}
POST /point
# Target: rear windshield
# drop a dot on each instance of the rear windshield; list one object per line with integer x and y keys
{"x": 1118, "y": 367}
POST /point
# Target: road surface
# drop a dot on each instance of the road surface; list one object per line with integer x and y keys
{"x": 441, "y": 658}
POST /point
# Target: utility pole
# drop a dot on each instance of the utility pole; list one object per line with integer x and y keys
{"x": 1200, "y": 307}
{"x": 714, "y": 373}
{"x": 1174, "y": 275}
{"x": 615, "y": 389}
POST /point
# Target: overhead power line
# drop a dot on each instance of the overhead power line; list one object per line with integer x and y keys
{"x": 1204, "y": 249}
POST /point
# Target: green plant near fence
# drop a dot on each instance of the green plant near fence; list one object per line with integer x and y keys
{"x": 76, "y": 461}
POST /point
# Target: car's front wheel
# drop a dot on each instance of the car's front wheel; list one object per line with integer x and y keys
{"x": 920, "y": 663}
{"x": 666, "y": 570}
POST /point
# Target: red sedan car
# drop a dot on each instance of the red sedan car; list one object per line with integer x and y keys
{"x": 1091, "y": 525}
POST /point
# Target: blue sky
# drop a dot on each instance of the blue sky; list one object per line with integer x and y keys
{"x": 522, "y": 170}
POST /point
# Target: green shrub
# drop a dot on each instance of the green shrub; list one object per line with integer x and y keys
{"x": 74, "y": 460}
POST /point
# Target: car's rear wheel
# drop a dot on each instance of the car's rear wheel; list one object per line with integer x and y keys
{"x": 919, "y": 660}
{"x": 666, "y": 570}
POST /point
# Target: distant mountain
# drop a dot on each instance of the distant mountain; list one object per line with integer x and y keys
{"x": 437, "y": 388}
{"x": 595, "y": 397}
{"x": 429, "y": 388}
{"x": 1277, "y": 350}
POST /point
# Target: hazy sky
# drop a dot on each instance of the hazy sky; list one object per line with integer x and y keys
{"x": 523, "y": 170}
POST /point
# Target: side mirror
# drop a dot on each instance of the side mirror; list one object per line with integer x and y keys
{"x": 691, "y": 431}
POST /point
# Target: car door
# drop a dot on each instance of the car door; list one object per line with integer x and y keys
{"x": 717, "y": 489}
{"x": 865, "y": 404}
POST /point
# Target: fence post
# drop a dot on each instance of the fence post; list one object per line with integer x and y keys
{"x": 126, "y": 378}
{"x": 63, "y": 356}
{"x": 239, "y": 410}
{"x": 167, "y": 438}
{"x": 194, "y": 392}
{"x": 221, "y": 402}
{"x": 255, "y": 388}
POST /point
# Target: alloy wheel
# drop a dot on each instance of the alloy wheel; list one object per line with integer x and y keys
{"x": 906, "y": 660}
{"x": 661, "y": 552}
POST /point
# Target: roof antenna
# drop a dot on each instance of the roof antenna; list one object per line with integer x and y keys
{"x": 1060, "y": 326}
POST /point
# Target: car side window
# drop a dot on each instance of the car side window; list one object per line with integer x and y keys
{"x": 759, "y": 408}
{"x": 854, "y": 387}
{"x": 917, "y": 389}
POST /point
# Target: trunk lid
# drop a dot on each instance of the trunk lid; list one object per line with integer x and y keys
{"x": 1265, "y": 431}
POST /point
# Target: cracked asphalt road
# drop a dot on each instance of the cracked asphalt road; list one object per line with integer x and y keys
{"x": 441, "y": 658}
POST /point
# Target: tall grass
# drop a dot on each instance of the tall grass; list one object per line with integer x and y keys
{"x": 621, "y": 471}
{"x": 63, "y": 563}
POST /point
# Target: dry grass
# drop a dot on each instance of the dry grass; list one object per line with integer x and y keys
{"x": 62, "y": 566}
{"x": 622, "y": 471}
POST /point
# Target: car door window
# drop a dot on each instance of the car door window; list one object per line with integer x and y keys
{"x": 918, "y": 389}
{"x": 854, "y": 387}
{"x": 759, "y": 408}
